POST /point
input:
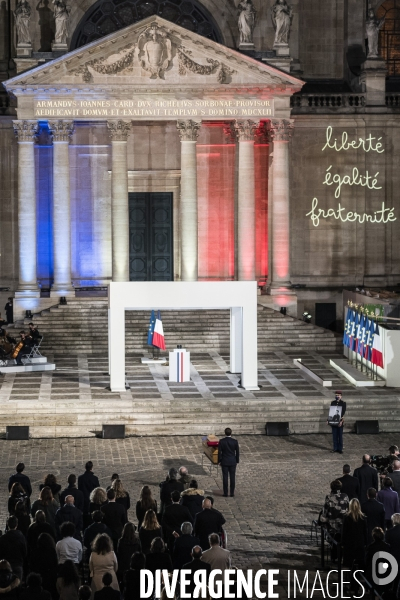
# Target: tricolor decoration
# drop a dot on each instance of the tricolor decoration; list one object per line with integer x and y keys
{"x": 377, "y": 354}
{"x": 158, "y": 335}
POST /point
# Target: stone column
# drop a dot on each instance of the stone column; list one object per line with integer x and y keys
{"x": 279, "y": 279}
{"x": 189, "y": 131}
{"x": 246, "y": 222}
{"x": 119, "y": 132}
{"x": 25, "y": 132}
{"x": 61, "y": 131}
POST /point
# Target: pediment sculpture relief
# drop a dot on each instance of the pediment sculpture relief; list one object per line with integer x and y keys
{"x": 112, "y": 65}
{"x": 155, "y": 51}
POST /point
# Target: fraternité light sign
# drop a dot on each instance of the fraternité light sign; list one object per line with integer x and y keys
{"x": 354, "y": 177}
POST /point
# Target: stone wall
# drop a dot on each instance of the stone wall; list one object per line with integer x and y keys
{"x": 8, "y": 204}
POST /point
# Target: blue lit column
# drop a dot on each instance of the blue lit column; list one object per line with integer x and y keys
{"x": 25, "y": 132}
{"x": 61, "y": 131}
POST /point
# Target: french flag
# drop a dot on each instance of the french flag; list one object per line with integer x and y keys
{"x": 158, "y": 335}
{"x": 377, "y": 354}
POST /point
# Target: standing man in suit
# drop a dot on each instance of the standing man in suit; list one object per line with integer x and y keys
{"x": 228, "y": 458}
{"x": 375, "y": 513}
{"x": 367, "y": 477}
{"x": 350, "y": 485}
{"x": 114, "y": 517}
{"x": 86, "y": 484}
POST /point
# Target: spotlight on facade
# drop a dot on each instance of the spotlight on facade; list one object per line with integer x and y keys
{"x": 307, "y": 317}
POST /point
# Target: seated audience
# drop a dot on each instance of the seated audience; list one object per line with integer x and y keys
{"x": 206, "y": 522}
{"x": 132, "y": 577}
{"x": 21, "y": 478}
{"x": 121, "y": 495}
{"x": 149, "y": 530}
{"x": 72, "y": 490}
{"x": 158, "y": 558}
{"x": 34, "y": 589}
{"x": 68, "y": 581}
{"x": 107, "y": 592}
{"x": 69, "y": 514}
{"x": 217, "y": 557}
{"x": 48, "y": 505}
{"x": 68, "y": 548}
{"x": 128, "y": 544}
{"x": 390, "y": 501}
{"x": 103, "y": 559}
{"x": 192, "y": 498}
{"x": 44, "y": 561}
{"x": 145, "y": 503}
{"x": 13, "y": 547}
{"x": 350, "y": 484}
{"x": 183, "y": 546}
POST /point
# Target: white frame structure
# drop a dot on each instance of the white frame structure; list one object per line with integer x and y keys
{"x": 239, "y": 296}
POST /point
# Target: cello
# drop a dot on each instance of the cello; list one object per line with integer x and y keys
{"x": 17, "y": 349}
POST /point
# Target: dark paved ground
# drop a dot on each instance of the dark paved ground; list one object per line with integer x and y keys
{"x": 281, "y": 484}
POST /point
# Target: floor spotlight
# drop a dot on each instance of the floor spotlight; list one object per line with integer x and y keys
{"x": 307, "y": 317}
{"x": 283, "y": 310}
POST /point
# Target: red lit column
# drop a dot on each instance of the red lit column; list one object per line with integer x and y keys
{"x": 279, "y": 278}
{"x": 189, "y": 132}
{"x": 246, "y": 215}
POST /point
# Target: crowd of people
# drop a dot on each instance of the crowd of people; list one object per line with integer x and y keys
{"x": 362, "y": 517}
{"x": 78, "y": 543}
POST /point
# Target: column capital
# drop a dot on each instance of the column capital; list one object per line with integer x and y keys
{"x": 61, "y": 130}
{"x": 244, "y": 131}
{"x": 119, "y": 130}
{"x": 188, "y": 130}
{"x": 281, "y": 130}
{"x": 26, "y": 130}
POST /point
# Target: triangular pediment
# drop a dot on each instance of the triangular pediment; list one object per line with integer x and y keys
{"x": 154, "y": 54}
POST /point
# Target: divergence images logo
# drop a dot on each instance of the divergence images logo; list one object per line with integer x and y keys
{"x": 384, "y": 568}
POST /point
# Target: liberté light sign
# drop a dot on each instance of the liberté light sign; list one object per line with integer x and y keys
{"x": 353, "y": 179}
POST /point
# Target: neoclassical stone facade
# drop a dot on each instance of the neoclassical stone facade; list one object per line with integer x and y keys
{"x": 249, "y": 165}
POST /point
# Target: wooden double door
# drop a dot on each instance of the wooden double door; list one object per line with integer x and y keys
{"x": 151, "y": 236}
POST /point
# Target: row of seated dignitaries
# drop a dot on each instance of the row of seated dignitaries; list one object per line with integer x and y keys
{"x": 77, "y": 542}
{"x": 362, "y": 517}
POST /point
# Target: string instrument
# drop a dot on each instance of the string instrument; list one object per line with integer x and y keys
{"x": 17, "y": 349}
{"x": 6, "y": 345}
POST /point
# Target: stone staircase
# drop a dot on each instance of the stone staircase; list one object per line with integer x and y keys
{"x": 81, "y": 327}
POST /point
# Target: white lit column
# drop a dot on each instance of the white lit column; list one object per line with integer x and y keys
{"x": 189, "y": 131}
{"x": 246, "y": 219}
{"x": 25, "y": 132}
{"x": 61, "y": 131}
{"x": 279, "y": 280}
{"x": 119, "y": 132}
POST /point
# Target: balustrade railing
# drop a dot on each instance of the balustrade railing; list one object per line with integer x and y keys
{"x": 323, "y": 101}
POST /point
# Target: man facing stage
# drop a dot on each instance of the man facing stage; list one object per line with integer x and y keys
{"x": 228, "y": 458}
{"x": 337, "y": 423}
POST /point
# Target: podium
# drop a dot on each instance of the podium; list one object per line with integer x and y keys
{"x": 179, "y": 365}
